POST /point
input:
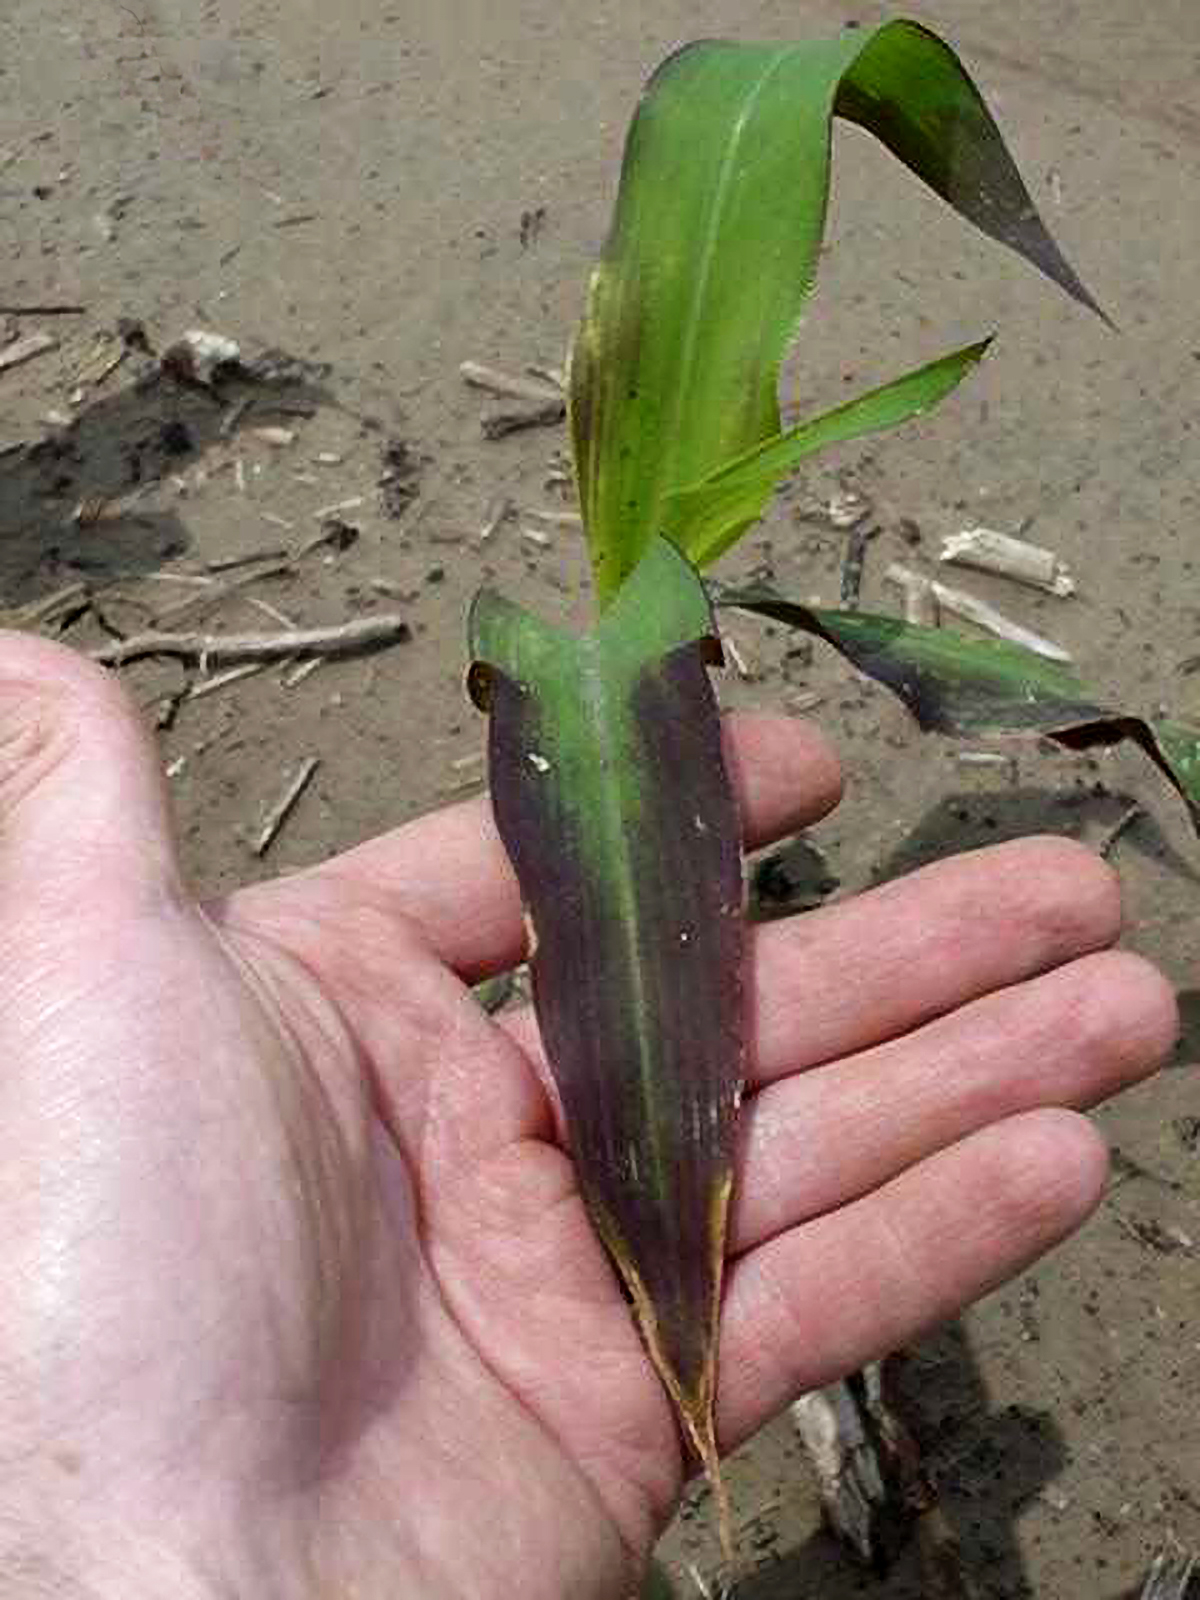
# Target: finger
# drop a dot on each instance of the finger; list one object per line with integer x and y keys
{"x": 847, "y": 976}
{"x": 448, "y": 874}
{"x": 822, "y": 1299}
{"x": 82, "y": 800}
{"x": 1070, "y": 1038}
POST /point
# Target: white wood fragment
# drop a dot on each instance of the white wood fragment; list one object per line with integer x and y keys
{"x": 972, "y": 609}
{"x": 920, "y": 607}
{"x": 280, "y": 438}
{"x": 325, "y": 512}
{"x": 988, "y": 550}
{"x": 555, "y": 519}
{"x": 741, "y": 665}
{"x": 200, "y": 354}
{"x": 556, "y": 377}
{"x": 222, "y": 680}
{"x": 268, "y": 610}
{"x": 498, "y": 509}
{"x": 304, "y": 669}
{"x": 26, "y": 348}
{"x": 506, "y": 384}
{"x": 282, "y": 808}
{"x": 848, "y": 508}
{"x": 537, "y": 536}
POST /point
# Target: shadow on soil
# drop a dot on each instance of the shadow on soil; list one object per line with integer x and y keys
{"x": 989, "y": 1466}
{"x": 76, "y": 505}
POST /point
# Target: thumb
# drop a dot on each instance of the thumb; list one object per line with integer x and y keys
{"x": 83, "y": 804}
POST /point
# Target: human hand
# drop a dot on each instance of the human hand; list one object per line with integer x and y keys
{"x": 300, "y": 1298}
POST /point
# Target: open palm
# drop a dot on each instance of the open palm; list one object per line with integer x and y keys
{"x": 300, "y": 1295}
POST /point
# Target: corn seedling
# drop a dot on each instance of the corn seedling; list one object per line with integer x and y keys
{"x": 605, "y": 753}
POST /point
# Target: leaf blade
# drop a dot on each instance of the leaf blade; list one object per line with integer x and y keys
{"x": 611, "y": 797}
{"x": 714, "y": 243}
{"x": 706, "y": 519}
{"x": 974, "y": 688}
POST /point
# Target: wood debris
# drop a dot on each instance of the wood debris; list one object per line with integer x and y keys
{"x": 846, "y": 1463}
{"x": 554, "y": 519}
{"x": 327, "y": 513}
{"x": 743, "y": 668}
{"x": 497, "y": 512}
{"x": 222, "y": 680}
{"x": 298, "y": 673}
{"x": 1108, "y": 840}
{"x": 854, "y": 562}
{"x": 556, "y": 377}
{"x": 216, "y": 594}
{"x": 275, "y": 436}
{"x": 360, "y": 634}
{"x": 253, "y": 558}
{"x": 283, "y": 807}
{"x": 1008, "y": 557}
{"x": 202, "y": 357}
{"x": 971, "y": 609}
{"x": 543, "y": 415}
{"x": 1170, "y": 1577}
{"x": 53, "y": 310}
{"x": 50, "y": 607}
{"x": 268, "y": 610}
{"x": 229, "y": 422}
{"x": 507, "y": 385}
{"x": 105, "y": 356}
{"x": 26, "y": 348}
{"x": 848, "y": 508}
{"x": 920, "y": 607}
{"x": 982, "y": 758}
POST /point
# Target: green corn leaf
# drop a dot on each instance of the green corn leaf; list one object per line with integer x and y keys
{"x": 612, "y": 799}
{"x": 714, "y": 244}
{"x": 710, "y": 516}
{"x": 981, "y": 688}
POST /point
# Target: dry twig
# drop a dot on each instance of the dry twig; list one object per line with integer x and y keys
{"x": 543, "y": 415}
{"x": 1170, "y": 1577}
{"x": 25, "y": 349}
{"x": 217, "y": 593}
{"x": 222, "y": 680}
{"x": 281, "y": 810}
{"x": 361, "y": 634}
{"x": 506, "y": 384}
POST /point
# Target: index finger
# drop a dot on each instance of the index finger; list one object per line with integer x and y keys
{"x": 447, "y": 874}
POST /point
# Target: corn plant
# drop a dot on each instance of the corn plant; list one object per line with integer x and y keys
{"x": 606, "y": 770}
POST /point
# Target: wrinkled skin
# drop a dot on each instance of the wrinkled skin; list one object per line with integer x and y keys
{"x": 300, "y": 1299}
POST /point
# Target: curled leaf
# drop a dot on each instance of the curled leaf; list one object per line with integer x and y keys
{"x": 713, "y": 252}
{"x": 984, "y": 687}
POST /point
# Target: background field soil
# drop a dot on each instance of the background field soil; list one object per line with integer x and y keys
{"x": 384, "y": 188}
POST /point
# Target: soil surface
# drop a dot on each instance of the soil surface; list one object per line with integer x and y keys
{"x": 379, "y": 190}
